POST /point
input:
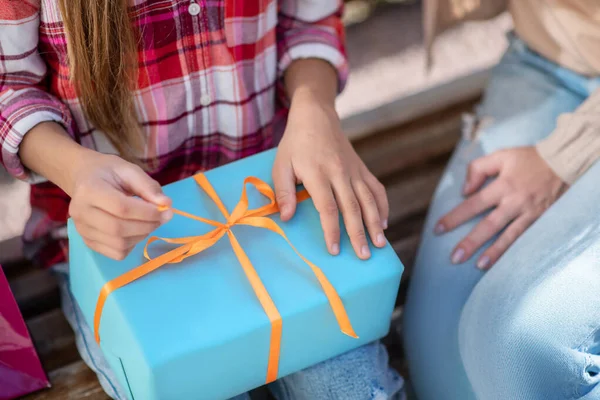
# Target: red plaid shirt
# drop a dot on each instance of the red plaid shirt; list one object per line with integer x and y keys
{"x": 208, "y": 92}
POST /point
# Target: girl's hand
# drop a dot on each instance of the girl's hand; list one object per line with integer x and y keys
{"x": 523, "y": 188}
{"x": 107, "y": 216}
{"x": 315, "y": 152}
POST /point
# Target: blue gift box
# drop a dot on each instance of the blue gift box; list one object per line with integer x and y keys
{"x": 195, "y": 329}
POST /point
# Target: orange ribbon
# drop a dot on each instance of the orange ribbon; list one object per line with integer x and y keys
{"x": 193, "y": 245}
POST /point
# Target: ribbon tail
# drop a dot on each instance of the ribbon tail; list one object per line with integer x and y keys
{"x": 335, "y": 301}
{"x": 332, "y": 295}
{"x": 334, "y": 298}
{"x": 267, "y": 304}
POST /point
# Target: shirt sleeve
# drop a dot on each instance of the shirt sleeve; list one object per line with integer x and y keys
{"x": 312, "y": 29}
{"x": 24, "y": 102}
{"x": 574, "y": 146}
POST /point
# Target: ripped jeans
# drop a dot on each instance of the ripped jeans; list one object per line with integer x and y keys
{"x": 529, "y": 328}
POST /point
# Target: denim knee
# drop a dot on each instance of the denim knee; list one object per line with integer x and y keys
{"x": 360, "y": 374}
{"x": 510, "y": 352}
{"x": 495, "y": 346}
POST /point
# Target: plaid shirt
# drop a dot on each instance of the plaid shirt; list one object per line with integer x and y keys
{"x": 209, "y": 87}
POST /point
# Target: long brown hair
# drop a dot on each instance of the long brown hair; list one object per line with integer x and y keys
{"x": 102, "y": 52}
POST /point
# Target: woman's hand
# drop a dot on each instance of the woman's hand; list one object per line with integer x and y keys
{"x": 523, "y": 188}
{"x": 106, "y": 213}
{"x": 315, "y": 152}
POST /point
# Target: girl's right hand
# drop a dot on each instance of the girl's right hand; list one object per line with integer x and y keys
{"x": 106, "y": 214}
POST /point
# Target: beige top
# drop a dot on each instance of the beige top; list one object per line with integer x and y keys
{"x": 566, "y": 32}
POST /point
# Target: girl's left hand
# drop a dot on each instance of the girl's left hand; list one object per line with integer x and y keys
{"x": 523, "y": 188}
{"x": 315, "y": 153}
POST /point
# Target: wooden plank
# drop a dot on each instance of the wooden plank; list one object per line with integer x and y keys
{"x": 412, "y": 194}
{"x": 54, "y": 339}
{"x": 406, "y": 248}
{"x": 413, "y": 144}
{"x": 36, "y": 292}
{"x": 72, "y": 382}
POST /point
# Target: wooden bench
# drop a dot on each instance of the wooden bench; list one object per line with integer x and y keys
{"x": 408, "y": 159}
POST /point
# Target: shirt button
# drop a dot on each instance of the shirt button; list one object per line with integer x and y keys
{"x": 194, "y": 9}
{"x": 205, "y": 100}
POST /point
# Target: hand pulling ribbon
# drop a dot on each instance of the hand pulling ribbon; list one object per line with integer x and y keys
{"x": 193, "y": 245}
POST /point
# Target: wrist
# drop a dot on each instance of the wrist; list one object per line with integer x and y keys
{"x": 77, "y": 160}
{"x": 311, "y": 79}
{"x": 48, "y": 151}
{"x": 306, "y": 96}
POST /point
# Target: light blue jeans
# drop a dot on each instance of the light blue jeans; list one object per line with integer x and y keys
{"x": 357, "y": 375}
{"x": 530, "y": 327}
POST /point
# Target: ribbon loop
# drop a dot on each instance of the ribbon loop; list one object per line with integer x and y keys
{"x": 192, "y": 245}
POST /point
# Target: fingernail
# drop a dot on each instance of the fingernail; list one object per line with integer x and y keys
{"x": 335, "y": 249}
{"x": 166, "y": 216}
{"x": 285, "y": 210}
{"x": 483, "y": 262}
{"x": 384, "y": 224}
{"x": 457, "y": 256}
{"x": 162, "y": 199}
{"x": 439, "y": 229}
{"x": 364, "y": 251}
{"x": 380, "y": 240}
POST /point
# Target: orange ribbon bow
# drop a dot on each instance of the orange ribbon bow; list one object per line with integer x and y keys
{"x": 193, "y": 245}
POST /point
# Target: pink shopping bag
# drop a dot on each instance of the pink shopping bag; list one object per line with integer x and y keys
{"x": 20, "y": 368}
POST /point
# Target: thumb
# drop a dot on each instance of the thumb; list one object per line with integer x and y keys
{"x": 480, "y": 170}
{"x": 285, "y": 189}
{"x": 139, "y": 183}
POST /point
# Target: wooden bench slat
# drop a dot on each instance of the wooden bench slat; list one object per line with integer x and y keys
{"x": 53, "y": 339}
{"x": 72, "y": 382}
{"x": 412, "y": 144}
{"x": 36, "y": 292}
{"x": 412, "y": 194}
{"x": 406, "y": 248}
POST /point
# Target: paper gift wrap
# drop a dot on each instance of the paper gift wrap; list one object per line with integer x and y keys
{"x": 237, "y": 306}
